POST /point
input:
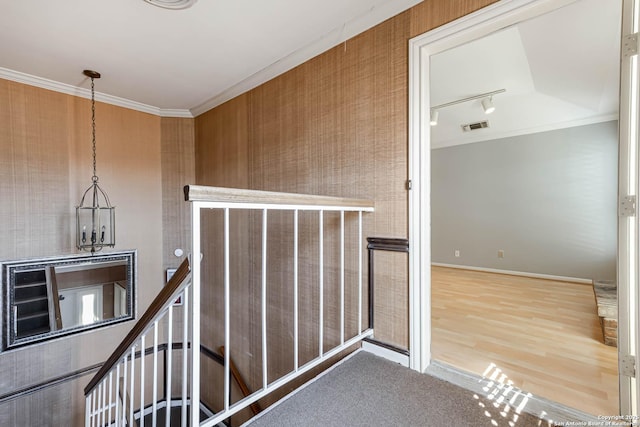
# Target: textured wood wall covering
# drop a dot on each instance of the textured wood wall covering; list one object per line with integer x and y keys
{"x": 178, "y": 170}
{"x": 45, "y": 165}
{"x": 335, "y": 125}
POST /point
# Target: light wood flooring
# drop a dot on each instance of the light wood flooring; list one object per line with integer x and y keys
{"x": 543, "y": 334}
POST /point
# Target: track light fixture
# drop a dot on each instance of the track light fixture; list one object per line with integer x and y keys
{"x": 434, "y": 117}
{"x": 487, "y": 104}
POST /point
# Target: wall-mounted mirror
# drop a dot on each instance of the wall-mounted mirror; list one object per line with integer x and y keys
{"x": 50, "y": 297}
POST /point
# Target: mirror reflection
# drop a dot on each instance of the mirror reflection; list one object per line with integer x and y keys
{"x": 58, "y": 296}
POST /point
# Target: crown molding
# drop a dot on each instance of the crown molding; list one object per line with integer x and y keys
{"x": 375, "y": 15}
{"x": 68, "y": 89}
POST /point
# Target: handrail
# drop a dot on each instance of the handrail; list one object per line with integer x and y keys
{"x": 165, "y": 295}
{"x": 201, "y": 193}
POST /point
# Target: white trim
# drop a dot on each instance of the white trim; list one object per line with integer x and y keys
{"x": 473, "y": 26}
{"x": 516, "y": 273}
{"x": 627, "y": 275}
{"x": 68, "y": 89}
{"x": 385, "y": 353}
{"x": 375, "y": 15}
{"x": 535, "y": 129}
{"x": 470, "y": 27}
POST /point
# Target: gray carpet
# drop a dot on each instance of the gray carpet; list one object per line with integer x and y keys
{"x": 370, "y": 391}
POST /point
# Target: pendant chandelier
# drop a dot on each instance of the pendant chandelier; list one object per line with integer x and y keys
{"x": 95, "y": 217}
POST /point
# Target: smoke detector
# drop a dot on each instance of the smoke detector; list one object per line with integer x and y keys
{"x": 475, "y": 126}
{"x": 172, "y": 4}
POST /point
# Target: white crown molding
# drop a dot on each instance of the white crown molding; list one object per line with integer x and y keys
{"x": 48, "y": 84}
{"x": 375, "y": 15}
{"x": 481, "y": 137}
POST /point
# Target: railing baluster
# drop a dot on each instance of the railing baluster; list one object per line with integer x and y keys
{"x": 195, "y": 316}
{"x": 103, "y": 414}
{"x": 125, "y": 401}
{"x": 133, "y": 381}
{"x": 169, "y": 366}
{"x": 227, "y": 315}
{"x": 264, "y": 299}
{"x": 321, "y": 281}
{"x": 154, "y": 407}
{"x": 94, "y": 407}
{"x": 142, "y": 383}
{"x": 87, "y": 411}
{"x": 360, "y": 272}
{"x": 341, "y": 277}
{"x": 100, "y": 415}
{"x": 110, "y": 397}
{"x": 185, "y": 354}
{"x": 117, "y": 396}
{"x": 295, "y": 289}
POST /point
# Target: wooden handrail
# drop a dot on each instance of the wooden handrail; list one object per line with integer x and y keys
{"x": 165, "y": 295}
{"x": 236, "y": 195}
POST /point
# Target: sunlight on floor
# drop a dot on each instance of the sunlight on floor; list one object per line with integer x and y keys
{"x": 507, "y": 400}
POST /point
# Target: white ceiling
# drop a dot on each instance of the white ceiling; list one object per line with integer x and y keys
{"x": 559, "y": 70}
{"x": 173, "y": 62}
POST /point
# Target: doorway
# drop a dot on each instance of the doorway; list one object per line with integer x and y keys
{"x": 489, "y": 21}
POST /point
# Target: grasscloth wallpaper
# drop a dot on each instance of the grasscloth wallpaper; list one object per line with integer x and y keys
{"x": 45, "y": 166}
{"x": 335, "y": 125}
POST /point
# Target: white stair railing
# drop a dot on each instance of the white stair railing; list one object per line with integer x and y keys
{"x": 116, "y": 394}
{"x": 226, "y": 200}
{"x": 129, "y": 381}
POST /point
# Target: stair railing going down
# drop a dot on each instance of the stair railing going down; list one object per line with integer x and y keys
{"x": 105, "y": 400}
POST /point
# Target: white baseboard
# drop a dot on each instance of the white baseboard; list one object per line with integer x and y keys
{"x": 516, "y": 273}
{"x": 385, "y": 353}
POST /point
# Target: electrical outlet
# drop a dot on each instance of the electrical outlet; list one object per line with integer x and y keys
{"x": 500, "y": 253}
{"x": 456, "y": 253}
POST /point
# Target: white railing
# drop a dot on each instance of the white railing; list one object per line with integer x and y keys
{"x": 116, "y": 393}
{"x": 105, "y": 400}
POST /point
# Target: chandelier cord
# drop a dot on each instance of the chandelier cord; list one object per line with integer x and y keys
{"x": 93, "y": 128}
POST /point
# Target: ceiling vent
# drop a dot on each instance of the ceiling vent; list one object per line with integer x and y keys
{"x": 172, "y": 4}
{"x": 475, "y": 126}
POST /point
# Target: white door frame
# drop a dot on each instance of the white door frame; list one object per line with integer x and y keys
{"x": 473, "y": 26}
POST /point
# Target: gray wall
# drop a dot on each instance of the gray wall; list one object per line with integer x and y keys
{"x": 547, "y": 199}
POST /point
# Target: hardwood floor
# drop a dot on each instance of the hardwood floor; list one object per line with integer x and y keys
{"x": 543, "y": 334}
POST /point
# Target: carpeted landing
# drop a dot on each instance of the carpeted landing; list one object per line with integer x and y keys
{"x": 366, "y": 390}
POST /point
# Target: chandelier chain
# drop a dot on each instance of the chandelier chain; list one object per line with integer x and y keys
{"x": 93, "y": 129}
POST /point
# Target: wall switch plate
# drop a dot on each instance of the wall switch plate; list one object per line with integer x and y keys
{"x": 500, "y": 253}
{"x": 456, "y": 253}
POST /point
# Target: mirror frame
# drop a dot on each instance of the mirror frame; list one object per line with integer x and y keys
{"x": 10, "y": 268}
